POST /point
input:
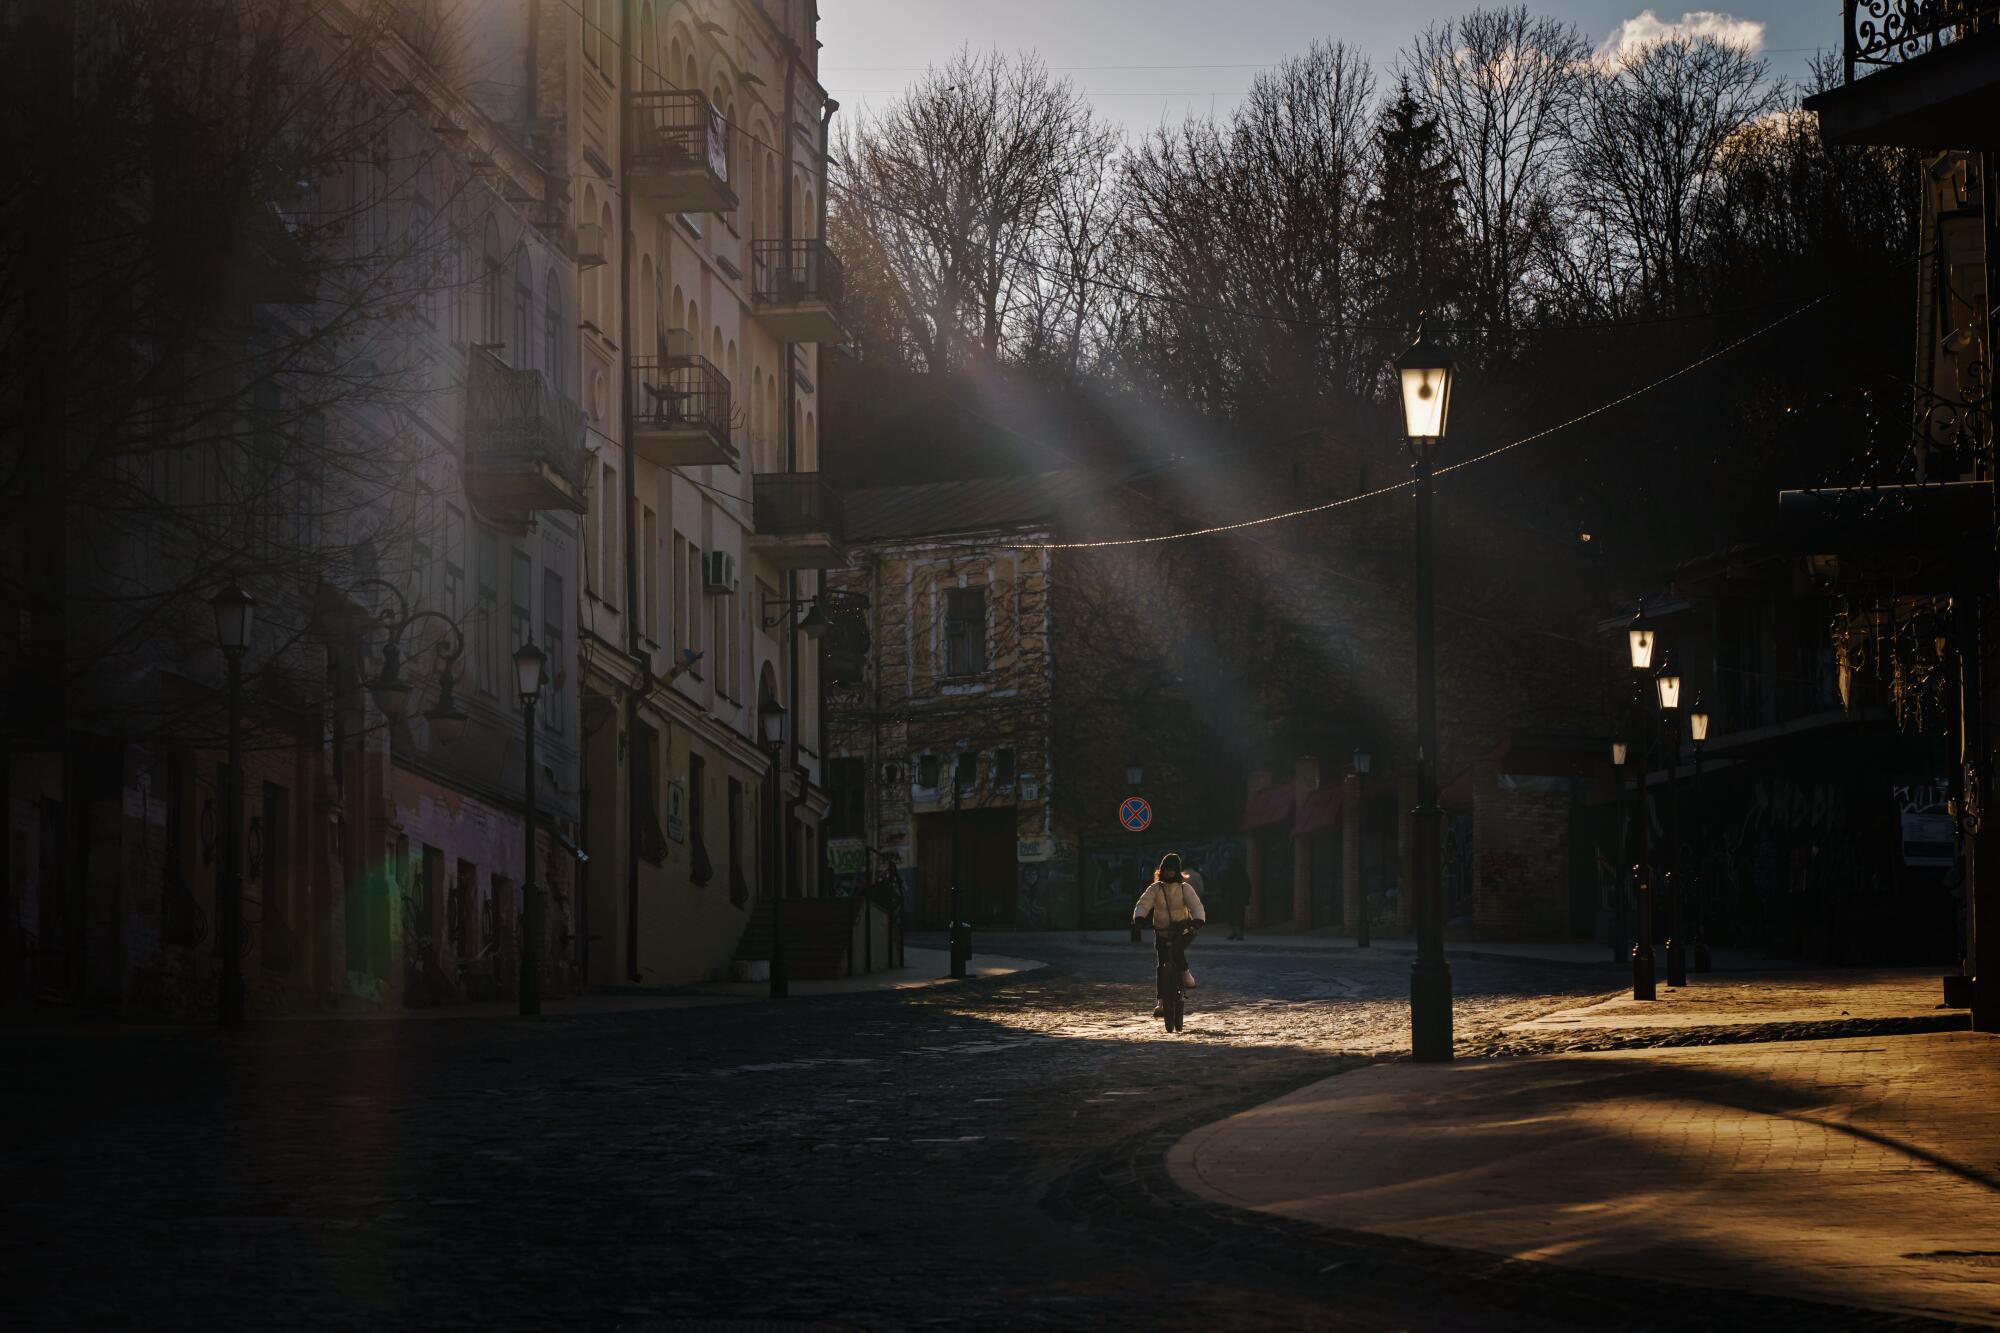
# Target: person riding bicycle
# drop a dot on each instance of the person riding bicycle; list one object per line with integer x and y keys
{"x": 1176, "y": 912}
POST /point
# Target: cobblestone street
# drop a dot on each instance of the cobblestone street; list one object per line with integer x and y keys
{"x": 964, "y": 1155}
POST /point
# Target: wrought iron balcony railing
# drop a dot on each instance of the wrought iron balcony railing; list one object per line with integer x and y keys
{"x": 679, "y": 393}
{"x": 790, "y": 503}
{"x": 679, "y": 127}
{"x": 516, "y": 422}
{"x": 798, "y": 270}
{"x": 1889, "y": 32}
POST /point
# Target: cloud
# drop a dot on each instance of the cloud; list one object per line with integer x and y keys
{"x": 1635, "y": 34}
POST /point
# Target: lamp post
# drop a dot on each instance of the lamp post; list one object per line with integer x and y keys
{"x": 1698, "y": 721}
{"x": 1619, "y": 751}
{"x": 235, "y": 616}
{"x": 1426, "y": 372}
{"x": 528, "y": 663}
{"x": 771, "y": 730}
{"x": 392, "y": 693}
{"x": 1135, "y": 776}
{"x": 1639, "y": 637}
{"x": 1667, "y": 686}
{"x": 1362, "y": 762}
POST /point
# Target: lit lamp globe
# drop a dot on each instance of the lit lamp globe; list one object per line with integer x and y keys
{"x": 1426, "y": 371}
{"x": 1619, "y": 749}
{"x": 814, "y": 624}
{"x": 391, "y": 691}
{"x": 446, "y": 718}
{"x": 771, "y": 723}
{"x": 528, "y": 663}
{"x": 235, "y": 614}
{"x": 1698, "y": 721}
{"x": 1639, "y": 639}
{"x": 1667, "y": 683}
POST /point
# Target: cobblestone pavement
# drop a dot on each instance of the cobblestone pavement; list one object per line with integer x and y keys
{"x": 965, "y": 1155}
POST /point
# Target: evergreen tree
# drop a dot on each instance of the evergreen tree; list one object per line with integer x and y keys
{"x": 1413, "y": 225}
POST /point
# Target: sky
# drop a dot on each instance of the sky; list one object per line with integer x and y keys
{"x": 1144, "y": 60}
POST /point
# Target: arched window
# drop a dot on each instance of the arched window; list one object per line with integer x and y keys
{"x": 730, "y": 136}
{"x": 587, "y": 294}
{"x": 492, "y": 323}
{"x": 673, "y": 65}
{"x": 553, "y": 360}
{"x": 757, "y": 418}
{"x": 648, "y": 79}
{"x": 811, "y": 227}
{"x": 715, "y": 347}
{"x": 807, "y": 447}
{"x": 605, "y": 302}
{"x": 522, "y": 354}
{"x": 649, "y": 306}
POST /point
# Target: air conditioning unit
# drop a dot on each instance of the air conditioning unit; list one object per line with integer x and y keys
{"x": 718, "y": 571}
{"x": 590, "y": 243}
{"x": 678, "y": 345}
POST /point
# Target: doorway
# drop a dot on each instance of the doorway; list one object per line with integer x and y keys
{"x": 981, "y": 843}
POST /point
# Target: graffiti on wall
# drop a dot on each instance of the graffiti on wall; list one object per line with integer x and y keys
{"x": 1113, "y": 874}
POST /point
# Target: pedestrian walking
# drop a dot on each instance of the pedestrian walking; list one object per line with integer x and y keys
{"x": 1175, "y": 910}
{"x": 1233, "y": 894}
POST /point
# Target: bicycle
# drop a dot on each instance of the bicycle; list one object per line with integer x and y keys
{"x": 1167, "y": 974}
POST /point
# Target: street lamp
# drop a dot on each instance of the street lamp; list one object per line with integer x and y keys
{"x": 1363, "y": 761}
{"x": 1426, "y": 372}
{"x": 1639, "y": 637}
{"x": 814, "y": 623}
{"x": 391, "y": 691}
{"x": 771, "y": 717}
{"x": 1620, "y": 750}
{"x": 1667, "y": 688}
{"x": 1643, "y": 986}
{"x": 1698, "y": 721}
{"x": 235, "y": 618}
{"x": 446, "y": 718}
{"x": 529, "y": 662}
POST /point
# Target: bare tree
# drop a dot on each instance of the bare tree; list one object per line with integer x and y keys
{"x": 973, "y": 199}
{"x": 1252, "y": 234}
{"x": 1643, "y": 150}
{"x": 1500, "y": 84}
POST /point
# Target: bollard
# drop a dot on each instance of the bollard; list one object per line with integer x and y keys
{"x": 961, "y": 941}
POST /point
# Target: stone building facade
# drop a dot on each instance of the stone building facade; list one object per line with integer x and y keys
{"x": 940, "y": 747}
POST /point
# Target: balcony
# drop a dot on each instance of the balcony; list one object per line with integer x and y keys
{"x": 680, "y": 412}
{"x": 680, "y": 152}
{"x": 798, "y": 288}
{"x": 524, "y": 447}
{"x": 1920, "y": 74}
{"x": 800, "y": 521}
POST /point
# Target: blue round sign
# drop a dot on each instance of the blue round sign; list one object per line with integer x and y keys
{"x": 1135, "y": 814}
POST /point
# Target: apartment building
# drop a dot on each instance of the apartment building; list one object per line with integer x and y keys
{"x": 694, "y": 136}
{"x": 349, "y": 393}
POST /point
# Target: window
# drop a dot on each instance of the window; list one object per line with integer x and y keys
{"x": 928, "y": 768}
{"x": 521, "y": 625}
{"x": 613, "y": 506}
{"x": 720, "y": 605}
{"x": 847, "y": 785}
{"x": 454, "y": 560}
{"x": 552, "y": 357}
{"x": 739, "y": 888}
{"x": 679, "y": 585}
{"x": 964, "y": 631}
{"x": 1003, "y": 768}
{"x": 593, "y": 522}
{"x": 419, "y": 245}
{"x": 646, "y": 789}
{"x": 965, "y": 770}
{"x": 486, "y": 617}
{"x": 492, "y": 327}
{"x": 649, "y": 573}
{"x": 700, "y": 870}
{"x": 522, "y": 354}
{"x": 554, "y": 621}
{"x": 690, "y": 617}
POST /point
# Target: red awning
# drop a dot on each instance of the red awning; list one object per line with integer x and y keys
{"x": 1320, "y": 811}
{"x": 1273, "y": 805}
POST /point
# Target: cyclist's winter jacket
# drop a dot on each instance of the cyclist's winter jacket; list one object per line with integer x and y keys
{"x": 1169, "y": 903}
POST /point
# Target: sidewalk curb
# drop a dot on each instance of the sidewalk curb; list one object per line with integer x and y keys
{"x": 1386, "y": 951}
{"x": 1126, "y": 1195}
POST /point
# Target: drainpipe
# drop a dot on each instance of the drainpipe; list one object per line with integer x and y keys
{"x": 630, "y": 499}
